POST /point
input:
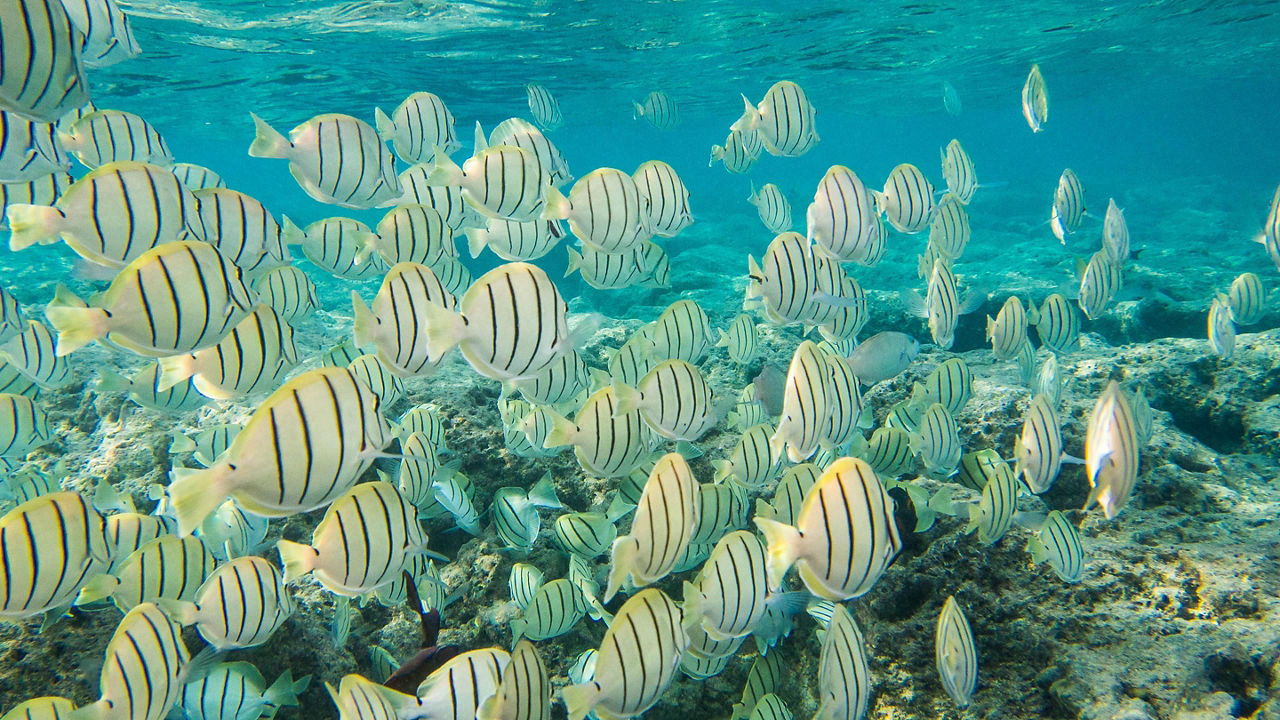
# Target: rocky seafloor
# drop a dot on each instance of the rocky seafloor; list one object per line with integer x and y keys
{"x": 1177, "y": 616}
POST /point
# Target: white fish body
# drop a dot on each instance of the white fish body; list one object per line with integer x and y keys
{"x": 1008, "y": 331}
{"x": 907, "y": 200}
{"x": 337, "y": 159}
{"x": 1115, "y": 233}
{"x": 1035, "y": 100}
{"x": 237, "y": 691}
{"x": 1039, "y": 454}
{"x": 739, "y": 152}
{"x": 605, "y": 444}
{"x": 942, "y": 304}
{"x": 806, "y": 404}
{"x": 667, "y": 196}
{"x": 937, "y": 441}
{"x": 844, "y": 681}
{"x": 956, "y": 657}
{"x": 257, "y": 353}
{"x": 772, "y": 206}
{"x": 1058, "y": 543}
{"x": 1111, "y": 451}
{"x": 1099, "y": 284}
{"x": 108, "y": 136}
{"x": 108, "y": 36}
{"x": 392, "y": 325}
{"x": 784, "y": 120}
{"x": 244, "y": 230}
{"x": 525, "y": 690}
{"x": 524, "y": 134}
{"x": 958, "y": 172}
{"x": 606, "y": 210}
{"x": 842, "y": 219}
{"x": 460, "y": 687}
{"x": 543, "y": 106}
{"x": 555, "y": 608}
{"x": 241, "y": 604}
{"x": 26, "y": 154}
{"x": 1222, "y": 331}
{"x": 52, "y": 546}
{"x": 288, "y": 291}
{"x": 663, "y": 525}
{"x": 503, "y": 181}
{"x": 741, "y": 339}
{"x": 418, "y": 125}
{"x": 44, "y": 69}
{"x": 673, "y": 398}
{"x": 142, "y": 676}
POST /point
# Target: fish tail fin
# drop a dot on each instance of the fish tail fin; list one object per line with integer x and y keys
{"x": 76, "y": 326}
{"x": 196, "y": 494}
{"x": 692, "y": 606}
{"x": 622, "y": 558}
{"x": 579, "y": 699}
{"x": 626, "y": 399}
{"x": 111, "y": 381}
{"x": 975, "y": 517}
{"x": 386, "y": 127}
{"x": 183, "y": 612}
{"x": 783, "y": 542}
{"x": 754, "y": 196}
{"x": 175, "y": 369}
{"x": 33, "y": 225}
{"x": 557, "y": 204}
{"x": 99, "y": 588}
{"x": 446, "y": 171}
{"x": 717, "y": 154}
{"x": 365, "y": 321}
{"x": 517, "y": 630}
{"x": 638, "y": 111}
{"x": 575, "y": 262}
{"x": 298, "y": 559}
{"x": 765, "y": 510}
{"x": 290, "y": 233}
{"x": 1037, "y": 549}
{"x": 543, "y": 493}
{"x": 268, "y": 142}
{"x": 991, "y": 328}
{"x": 477, "y": 238}
{"x": 284, "y": 691}
{"x": 750, "y": 117}
{"x": 181, "y": 443}
{"x": 562, "y": 431}
{"x": 444, "y": 329}
{"x": 724, "y": 470}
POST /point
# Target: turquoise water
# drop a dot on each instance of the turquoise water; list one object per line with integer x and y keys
{"x": 1167, "y": 107}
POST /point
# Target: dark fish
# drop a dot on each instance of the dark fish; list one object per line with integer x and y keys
{"x": 770, "y": 384}
{"x": 410, "y": 675}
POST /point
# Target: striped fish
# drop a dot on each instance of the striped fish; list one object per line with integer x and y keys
{"x": 907, "y": 200}
{"x": 633, "y": 360}
{"x": 806, "y": 404}
{"x": 1058, "y": 543}
{"x": 455, "y": 276}
{"x": 1143, "y": 418}
{"x": 720, "y": 508}
{"x": 1069, "y": 208}
{"x": 414, "y": 233}
{"x": 1048, "y": 381}
{"x": 12, "y": 319}
{"x": 844, "y": 681}
{"x": 789, "y": 494}
{"x": 905, "y": 416}
{"x": 949, "y": 229}
{"x": 253, "y": 358}
{"x": 42, "y": 56}
{"x": 843, "y": 538}
{"x": 741, "y": 339}
{"x": 1035, "y": 100}
{"x": 1222, "y": 331}
{"x": 703, "y": 645}
{"x": 637, "y": 659}
{"x": 241, "y": 605}
{"x": 1111, "y": 451}
{"x": 342, "y": 247}
{"x": 604, "y": 445}
{"x": 457, "y": 689}
{"x": 554, "y": 610}
{"x": 336, "y": 159}
{"x": 234, "y": 691}
{"x": 444, "y": 199}
{"x": 543, "y": 107}
{"x": 425, "y": 419}
{"x": 32, "y": 353}
{"x": 231, "y": 532}
{"x": 524, "y": 134}
{"x": 762, "y": 679}
{"x": 418, "y": 125}
{"x": 243, "y": 229}
{"x": 419, "y": 469}
{"x": 1039, "y": 455}
{"x": 111, "y": 216}
{"x": 52, "y": 546}
{"x": 1008, "y": 331}
{"x": 288, "y": 291}
{"x": 168, "y": 567}
{"x": 515, "y": 512}
{"x": 25, "y": 151}
{"x": 771, "y": 707}
{"x": 942, "y": 304}
{"x": 515, "y": 241}
{"x": 524, "y": 581}
{"x": 109, "y": 136}
{"x": 950, "y": 384}
{"x": 842, "y": 219}
{"x": 371, "y": 371}
{"x": 584, "y": 534}
{"x": 783, "y": 119}
{"x": 660, "y": 109}
{"x": 502, "y": 181}
{"x": 456, "y": 495}
{"x": 144, "y": 670}
{"x": 665, "y": 518}
{"x": 1271, "y": 235}
{"x": 729, "y": 593}
{"x": 394, "y": 324}
{"x": 358, "y": 698}
{"x": 1115, "y": 233}
{"x": 141, "y": 388}
{"x": 179, "y": 297}
{"x": 44, "y": 190}
{"x": 681, "y": 332}
{"x": 847, "y": 413}
{"x": 1099, "y": 284}
{"x": 606, "y": 210}
{"x": 364, "y": 541}
{"x": 655, "y": 264}
{"x": 518, "y": 428}
{"x": 510, "y": 324}
{"x": 786, "y": 281}
{"x": 667, "y": 197}
{"x": 197, "y": 177}
{"x": 888, "y": 451}
{"x": 23, "y": 426}
{"x": 751, "y": 462}
{"x": 108, "y": 36}
{"x": 606, "y": 271}
{"x": 772, "y": 206}
{"x": 992, "y": 515}
{"x": 978, "y": 467}
{"x": 673, "y": 398}
{"x": 566, "y": 379}
{"x": 739, "y": 152}
{"x": 1057, "y": 325}
{"x": 525, "y": 691}
{"x": 936, "y": 441}
{"x": 13, "y": 382}
{"x": 830, "y": 308}
{"x": 278, "y": 465}
{"x": 958, "y": 173}
{"x": 701, "y": 668}
{"x": 126, "y": 532}
{"x": 957, "y": 659}
{"x": 1246, "y": 299}
{"x": 49, "y": 707}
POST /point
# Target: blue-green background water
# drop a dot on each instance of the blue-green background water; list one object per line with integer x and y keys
{"x": 1166, "y": 106}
